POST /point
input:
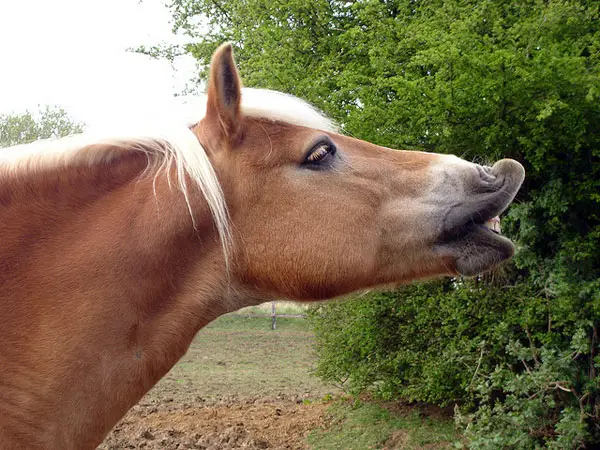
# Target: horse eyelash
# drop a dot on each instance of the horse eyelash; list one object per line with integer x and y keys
{"x": 319, "y": 153}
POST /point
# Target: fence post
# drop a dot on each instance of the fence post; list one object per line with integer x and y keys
{"x": 273, "y": 316}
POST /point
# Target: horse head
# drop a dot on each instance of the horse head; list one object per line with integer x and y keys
{"x": 316, "y": 214}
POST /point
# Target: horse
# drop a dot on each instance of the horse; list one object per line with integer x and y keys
{"x": 116, "y": 251}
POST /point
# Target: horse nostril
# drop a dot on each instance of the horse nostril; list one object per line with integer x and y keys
{"x": 485, "y": 173}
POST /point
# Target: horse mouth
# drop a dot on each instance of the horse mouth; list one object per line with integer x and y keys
{"x": 478, "y": 247}
{"x": 471, "y": 236}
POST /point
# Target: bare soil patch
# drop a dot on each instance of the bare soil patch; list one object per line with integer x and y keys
{"x": 230, "y": 424}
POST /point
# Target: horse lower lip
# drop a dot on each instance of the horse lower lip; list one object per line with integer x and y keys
{"x": 476, "y": 248}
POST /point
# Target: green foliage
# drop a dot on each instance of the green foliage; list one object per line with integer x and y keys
{"x": 424, "y": 342}
{"x": 544, "y": 406}
{"x": 523, "y": 377}
{"x": 27, "y": 127}
{"x": 482, "y": 79}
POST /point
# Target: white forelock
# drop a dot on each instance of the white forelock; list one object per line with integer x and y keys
{"x": 267, "y": 104}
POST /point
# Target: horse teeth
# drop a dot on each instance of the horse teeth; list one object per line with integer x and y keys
{"x": 493, "y": 224}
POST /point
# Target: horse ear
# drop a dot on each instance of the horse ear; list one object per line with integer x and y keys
{"x": 224, "y": 92}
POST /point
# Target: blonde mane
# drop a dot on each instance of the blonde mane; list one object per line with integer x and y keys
{"x": 171, "y": 142}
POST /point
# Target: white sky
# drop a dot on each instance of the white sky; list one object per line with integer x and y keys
{"x": 73, "y": 54}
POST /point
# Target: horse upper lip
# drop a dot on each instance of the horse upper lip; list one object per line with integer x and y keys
{"x": 485, "y": 198}
{"x": 461, "y": 216}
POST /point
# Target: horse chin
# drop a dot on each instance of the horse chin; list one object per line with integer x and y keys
{"x": 476, "y": 249}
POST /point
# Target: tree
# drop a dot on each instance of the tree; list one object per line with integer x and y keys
{"x": 29, "y": 126}
{"x": 482, "y": 79}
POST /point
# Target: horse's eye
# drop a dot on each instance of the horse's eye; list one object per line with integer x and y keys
{"x": 320, "y": 152}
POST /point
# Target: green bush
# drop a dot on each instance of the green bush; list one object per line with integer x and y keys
{"x": 422, "y": 342}
{"x": 522, "y": 369}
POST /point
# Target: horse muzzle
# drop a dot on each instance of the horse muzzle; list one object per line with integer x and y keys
{"x": 470, "y": 235}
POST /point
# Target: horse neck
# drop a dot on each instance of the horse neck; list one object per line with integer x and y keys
{"x": 105, "y": 282}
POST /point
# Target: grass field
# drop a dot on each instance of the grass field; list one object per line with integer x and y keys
{"x": 289, "y": 308}
{"x": 373, "y": 425}
{"x": 242, "y": 357}
{"x": 243, "y": 385}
